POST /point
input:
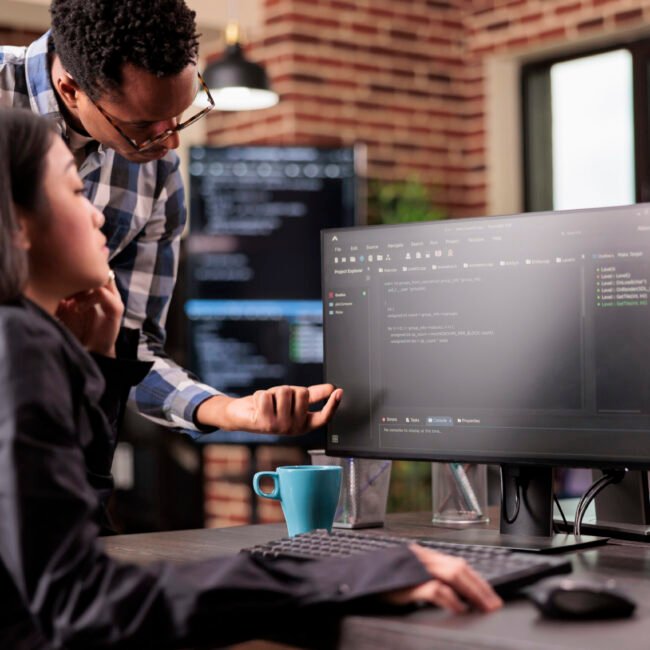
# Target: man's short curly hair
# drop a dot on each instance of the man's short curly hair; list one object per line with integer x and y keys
{"x": 95, "y": 38}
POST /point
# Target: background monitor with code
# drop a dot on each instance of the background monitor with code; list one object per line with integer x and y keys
{"x": 252, "y": 265}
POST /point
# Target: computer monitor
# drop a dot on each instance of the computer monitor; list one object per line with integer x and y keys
{"x": 256, "y": 216}
{"x": 251, "y": 265}
{"x": 521, "y": 340}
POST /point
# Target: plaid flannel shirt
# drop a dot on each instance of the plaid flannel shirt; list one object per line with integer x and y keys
{"x": 144, "y": 208}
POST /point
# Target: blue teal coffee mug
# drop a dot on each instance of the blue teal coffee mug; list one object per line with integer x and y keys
{"x": 308, "y": 494}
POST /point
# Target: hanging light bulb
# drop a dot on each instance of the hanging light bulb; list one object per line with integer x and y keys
{"x": 237, "y": 84}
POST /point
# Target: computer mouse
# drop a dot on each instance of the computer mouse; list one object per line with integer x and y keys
{"x": 580, "y": 599}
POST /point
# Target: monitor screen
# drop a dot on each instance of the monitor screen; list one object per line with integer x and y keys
{"x": 517, "y": 339}
{"x": 256, "y": 217}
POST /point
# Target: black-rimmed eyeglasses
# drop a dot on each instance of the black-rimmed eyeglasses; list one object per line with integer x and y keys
{"x": 163, "y": 135}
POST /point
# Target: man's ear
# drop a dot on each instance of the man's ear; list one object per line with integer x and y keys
{"x": 68, "y": 89}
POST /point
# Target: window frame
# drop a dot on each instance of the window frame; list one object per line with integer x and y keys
{"x": 536, "y": 116}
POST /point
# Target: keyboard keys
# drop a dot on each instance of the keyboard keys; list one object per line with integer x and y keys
{"x": 503, "y": 569}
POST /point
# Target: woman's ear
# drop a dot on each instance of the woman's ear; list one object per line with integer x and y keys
{"x": 22, "y": 239}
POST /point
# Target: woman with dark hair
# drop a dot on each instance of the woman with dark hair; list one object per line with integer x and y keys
{"x": 26, "y": 155}
{"x": 58, "y": 587}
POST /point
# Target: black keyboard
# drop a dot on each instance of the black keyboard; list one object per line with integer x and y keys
{"x": 505, "y": 570}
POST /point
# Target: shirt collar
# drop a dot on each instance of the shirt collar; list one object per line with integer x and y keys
{"x": 42, "y": 98}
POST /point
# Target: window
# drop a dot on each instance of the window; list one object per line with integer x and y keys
{"x": 585, "y": 130}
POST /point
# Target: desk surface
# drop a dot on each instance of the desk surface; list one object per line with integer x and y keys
{"x": 516, "y": 626}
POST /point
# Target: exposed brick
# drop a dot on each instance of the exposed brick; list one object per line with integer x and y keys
{"x": 365, "y": 67}
{"x": 342, "y": 83}
{"x": 278, "y": 18}
{"x": 401, "y": 34}
{"x": 408, "y": 110}
{"x": 485, "y": 49}
{"x": 432, "y": 76}
{"x": 531, "y": 18}
{"x": 319, "y": 140}
{"x": 591, "y": 24}
{"x": 380, "y": 49}
{"x": 270, "y": 41}
{"x": 17, "y": 37}
{"x": 303, "y": 97}
{"x": 325, "y": 62}
{"x": 414, "y": 92}
{"x": 305, "y": 78}
{"x": 378, "y": 11}
{"x": 269, "y": 457}
{"x": 343, "y": 45}
{"x": 624, "y": 16}
{"x": 482, "y": 10}
{"x": 383, "y": 163}
{"x": 347, "y": 6}
{"x": 500, "y": 25}
{"x": 556, "y": 33}
{"x": 335, "y": 121}
{"x": 415, "y": 19}
{"x": 300, "y": 37}
{"x": 313, "y": 20}
{"x": 518, "y": 42}
{"x": 566, "y": 9}
{"x": 383, "y": 127}
{"x": 380, "y": 88}
{"x": 364, "y": 29}
{"x": 402, "y": 73}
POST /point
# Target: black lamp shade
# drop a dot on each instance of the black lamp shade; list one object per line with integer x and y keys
{"x": 238, "y": 84}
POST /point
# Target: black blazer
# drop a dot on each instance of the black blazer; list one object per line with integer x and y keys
{"x": 59, "y": 589}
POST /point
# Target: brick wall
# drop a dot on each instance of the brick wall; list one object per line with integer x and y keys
{"x": 406, "y": 77}
{"x": 13, "y": 36}
{"x": 227, "y": 483}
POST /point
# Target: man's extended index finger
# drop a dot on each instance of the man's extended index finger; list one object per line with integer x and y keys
{"x": 319, "y": 392}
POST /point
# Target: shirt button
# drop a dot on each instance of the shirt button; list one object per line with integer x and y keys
{"x": 343, "y": 588}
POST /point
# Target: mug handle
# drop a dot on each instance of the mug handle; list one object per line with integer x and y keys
{"x": 275, "y": 493}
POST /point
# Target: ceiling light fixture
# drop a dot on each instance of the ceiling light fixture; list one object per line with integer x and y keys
{"x": 237, "y": 84}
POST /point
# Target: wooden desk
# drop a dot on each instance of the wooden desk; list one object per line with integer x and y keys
{"x": 517, "y": 626}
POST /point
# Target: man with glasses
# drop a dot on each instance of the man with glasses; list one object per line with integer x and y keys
{"x": 119, "y": 78}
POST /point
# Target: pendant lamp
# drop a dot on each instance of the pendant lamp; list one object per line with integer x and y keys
{"x": 235, "y": 83}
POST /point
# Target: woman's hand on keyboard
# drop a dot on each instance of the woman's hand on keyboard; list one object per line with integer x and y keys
{"x": 454, "y": 585}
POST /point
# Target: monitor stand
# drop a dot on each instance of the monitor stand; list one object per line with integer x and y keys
{"x": 532, "y": 527}
{"x": 621, "y": 510}
{"x": 527, "y": 512}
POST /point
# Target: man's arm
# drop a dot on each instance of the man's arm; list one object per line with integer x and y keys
{"x": 281, "y": 409}
{"x": 170, "y": 395}
{"x": 146, "y": 273}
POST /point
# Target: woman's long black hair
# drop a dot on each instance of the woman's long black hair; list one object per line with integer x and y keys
{"x": 25, "y": 140}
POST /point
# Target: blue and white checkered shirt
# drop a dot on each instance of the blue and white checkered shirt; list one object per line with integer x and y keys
{"x": 144, "y": 208}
